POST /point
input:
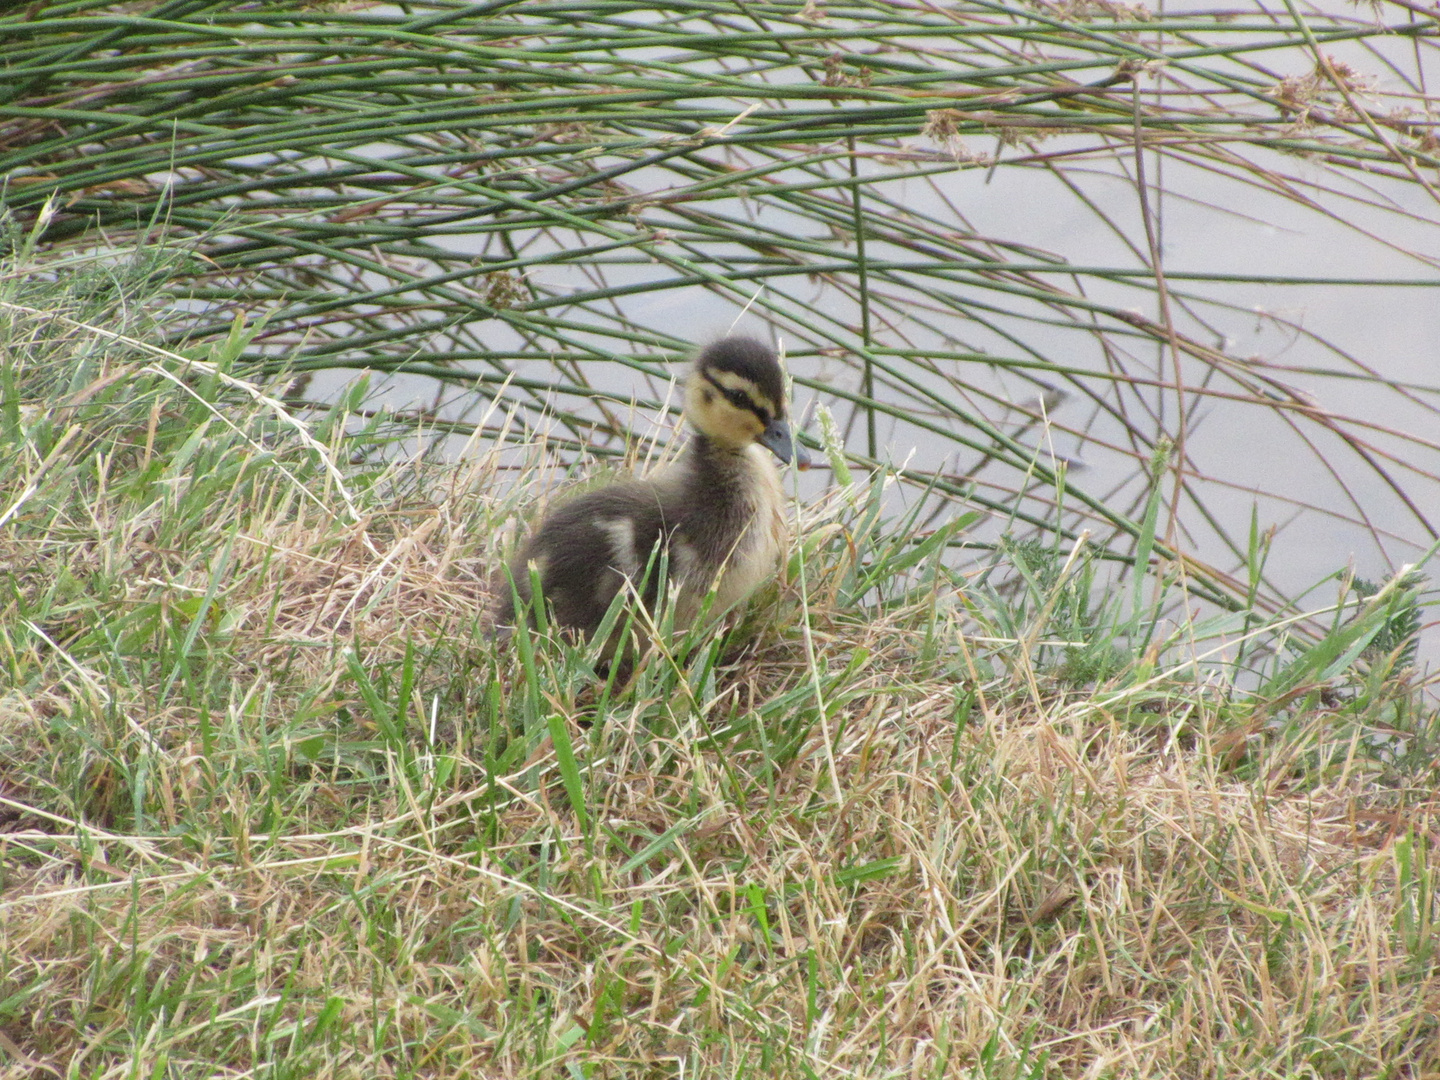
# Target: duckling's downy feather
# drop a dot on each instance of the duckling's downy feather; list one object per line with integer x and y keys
{"x": 716, "y": 514}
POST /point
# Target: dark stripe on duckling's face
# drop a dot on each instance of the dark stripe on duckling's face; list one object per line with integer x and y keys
{"x": 739, "y": 398}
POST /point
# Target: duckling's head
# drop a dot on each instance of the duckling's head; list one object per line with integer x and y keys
{"x": 735, "y": 396}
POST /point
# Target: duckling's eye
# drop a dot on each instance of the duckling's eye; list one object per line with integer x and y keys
{"x": 738, "y": 398}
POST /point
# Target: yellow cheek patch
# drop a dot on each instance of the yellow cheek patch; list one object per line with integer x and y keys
{"x": 731, "y": 424}
{"x": 745, "y": 423}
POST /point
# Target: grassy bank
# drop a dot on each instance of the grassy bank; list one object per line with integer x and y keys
{"x": 271, "y": 804}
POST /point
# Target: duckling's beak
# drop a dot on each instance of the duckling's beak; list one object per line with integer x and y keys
{"x": 783, "y": 444}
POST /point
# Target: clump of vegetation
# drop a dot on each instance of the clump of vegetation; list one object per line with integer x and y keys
{"x": 271, "y": 803}
{"x": 1024, "y": 768}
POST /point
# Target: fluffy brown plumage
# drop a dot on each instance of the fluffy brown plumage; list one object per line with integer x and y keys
{"x": 715, "y": 514}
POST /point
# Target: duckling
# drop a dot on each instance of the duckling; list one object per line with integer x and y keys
{"x": 715, "y": 514}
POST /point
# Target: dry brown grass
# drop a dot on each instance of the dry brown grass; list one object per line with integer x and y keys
{"x": 271, "y": 805}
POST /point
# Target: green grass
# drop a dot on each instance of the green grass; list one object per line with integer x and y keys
{"x": 272, "y": 804}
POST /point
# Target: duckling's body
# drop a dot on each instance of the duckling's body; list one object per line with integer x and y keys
{"x": 715, "y": 514}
